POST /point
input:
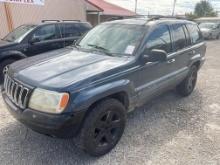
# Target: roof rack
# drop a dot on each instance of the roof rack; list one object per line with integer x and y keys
{"x": 161, "y": 16}
{"x": 126, "y": 17}
{"x": 147, "y": 17}
{"x": 71, "y": 20}
{"x": 44, "y": 21}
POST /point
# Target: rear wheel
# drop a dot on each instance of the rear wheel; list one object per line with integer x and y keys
{"x": 3, "y": 68}
{"x": 188, "y": 85}
{"x": 102, "y": 128}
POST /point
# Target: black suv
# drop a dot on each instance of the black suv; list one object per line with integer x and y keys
{"x": 86, "y": 91}
{"x": 30, "y": 40}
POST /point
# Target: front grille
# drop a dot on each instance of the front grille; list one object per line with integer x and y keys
{"x": 16, "y": 92}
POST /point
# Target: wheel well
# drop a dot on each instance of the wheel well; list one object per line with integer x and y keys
{"x": 120, "y": 96}
{"x": 12, "y": 57}
{"x": 197, "y": 64}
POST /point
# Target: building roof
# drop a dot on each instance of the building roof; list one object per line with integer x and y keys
{"x": 108, "y": 8}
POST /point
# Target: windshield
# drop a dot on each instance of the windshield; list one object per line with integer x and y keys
{"x": 19, "y": 33}
{"x": 113, "y": 39}
{"x": 208, "y": 25}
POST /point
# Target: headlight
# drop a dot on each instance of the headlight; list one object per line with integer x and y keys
{"x": 48, "y": 101}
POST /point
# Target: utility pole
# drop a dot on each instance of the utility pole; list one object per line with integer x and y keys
{"x": 136, "y": 6}
{"x": 174, "y": 6}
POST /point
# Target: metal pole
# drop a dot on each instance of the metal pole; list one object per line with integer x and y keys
{"x": 99, "y": 18}
{"x": 8, "y": 16}
{"x": 174, "y": 6}
{"x": 136, "y": 6}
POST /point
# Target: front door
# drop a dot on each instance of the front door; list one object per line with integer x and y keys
{"x": 45, "y": 38}
{"x": 155, "y": 76}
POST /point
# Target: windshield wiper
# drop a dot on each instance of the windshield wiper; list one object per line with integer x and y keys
{"x": 98, "y": 47}
{"x": 106, "y": 51}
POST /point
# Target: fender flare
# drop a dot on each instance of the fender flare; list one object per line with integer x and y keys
{"x": 88, "y": 97}
{"x": 12, "y": 54}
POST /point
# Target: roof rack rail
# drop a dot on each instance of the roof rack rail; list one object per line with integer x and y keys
{"x": 66, "y": 20}
{"x": 126, "y": 17}
{"x": 161, "y": 16}
{"x": 43, "y": 21}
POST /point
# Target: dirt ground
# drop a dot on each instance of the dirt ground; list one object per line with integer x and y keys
{"x": 169, "y": 131}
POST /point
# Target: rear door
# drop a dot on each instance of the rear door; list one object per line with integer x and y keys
{"x": 70, "y": 33}
{"x": 179, "y": 60}
{"x": 198, "y": 47}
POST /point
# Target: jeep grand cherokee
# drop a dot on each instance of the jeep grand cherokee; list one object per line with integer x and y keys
{"x": 85, "y": 91}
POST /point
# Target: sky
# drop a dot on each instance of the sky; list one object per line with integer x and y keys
{"x": 162, "y": 6}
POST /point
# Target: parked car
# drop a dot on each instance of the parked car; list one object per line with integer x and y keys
{"x": 85, "y": 92}
{"x": 29, "y": 40}
{"x": 210, "y": 30}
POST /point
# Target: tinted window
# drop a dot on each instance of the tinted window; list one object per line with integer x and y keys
{"x": 69, "y": 30}
{"x": 159, "y": 39}
{"x": 188, "y": 40}
{"x": 179, "y": 37}
{"x": 47, "y": 32}
{"x": 84, "y": 27}
{"x": 19, "y": 33}
{"x": 194, "y": 33}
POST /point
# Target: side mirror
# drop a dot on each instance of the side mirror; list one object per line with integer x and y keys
{"x": 156, "y": 55}
{"x": 34, "y": 40}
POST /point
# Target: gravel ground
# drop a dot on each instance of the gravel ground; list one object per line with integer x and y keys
{"x": 169, "y": 130}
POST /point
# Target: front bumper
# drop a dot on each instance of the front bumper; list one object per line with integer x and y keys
{"x": 62, "y": 125}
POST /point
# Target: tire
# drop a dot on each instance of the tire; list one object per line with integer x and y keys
{"x": 102, "y": 128}
{"x": 186, "y": 87}
{"x": 3, "y": 65}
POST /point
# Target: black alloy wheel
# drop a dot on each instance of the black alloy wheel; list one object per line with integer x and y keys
{"x": 186, "y": 87}
{"x": 102, "y": 128}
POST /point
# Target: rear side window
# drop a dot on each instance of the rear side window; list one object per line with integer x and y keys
{"x": 188, "y": 39}
{"x": 84, "y": 27}
{"x": 69, "y": 30}
{"x": 194, "y": 32}
{"x": 159, "y": 39}
{"x": 179, "y": 37}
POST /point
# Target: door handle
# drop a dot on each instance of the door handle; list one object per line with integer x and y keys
{"x": 171, "y": 61}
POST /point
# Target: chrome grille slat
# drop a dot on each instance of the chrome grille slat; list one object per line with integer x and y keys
{"x": 19, "y": 97}
{"x": 16, "y": 92}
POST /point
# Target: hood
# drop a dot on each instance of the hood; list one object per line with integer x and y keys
{"x": 205, "y": 30}
{"x": 4, "y": 44}
{"x": 63, "y": 68}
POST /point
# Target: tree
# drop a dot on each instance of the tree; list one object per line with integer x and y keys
{"x": 204, "y": 9}
{"x": 191, "y": 16}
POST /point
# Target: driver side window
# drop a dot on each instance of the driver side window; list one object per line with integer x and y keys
{"x": 159, "y": 39}
{"x": 44, "y": 33}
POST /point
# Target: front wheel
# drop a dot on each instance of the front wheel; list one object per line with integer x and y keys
{"x": 3, "y": 68}
{"x": 187, "y": 86}
{"x": 103, "y": 128}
